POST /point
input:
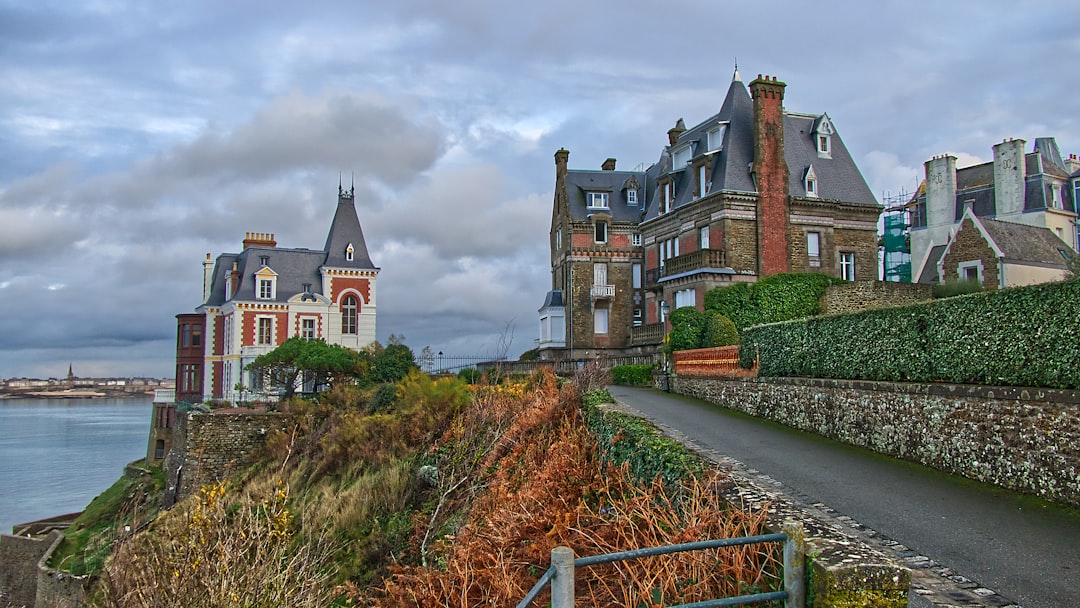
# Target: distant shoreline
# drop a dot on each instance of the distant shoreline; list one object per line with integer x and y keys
{"x": 77, "y": 394}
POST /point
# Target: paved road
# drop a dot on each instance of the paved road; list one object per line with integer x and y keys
{"x": 1026, "y": 550}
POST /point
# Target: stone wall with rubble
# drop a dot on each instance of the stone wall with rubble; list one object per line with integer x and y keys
{"x": 859, "y": 295}
{"x": 18, "y": 568}
{"x": 209, "y": 447}
{"x": 1026, "y": 440}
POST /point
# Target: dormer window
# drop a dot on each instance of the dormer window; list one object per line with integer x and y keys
{"x": 669, "y": 197}
{"x": 716, "y": 138}
{"x": 265, "y": 284}
{"x": 349, "y": 251}
{"x": 823, "y": 132}
{"x": 264, "y": 260}
{"x": 631, "y": 197}
{"x": 598, "y": 200}
{"x": 810, "y": 182}
{"x": 679, "y": 158}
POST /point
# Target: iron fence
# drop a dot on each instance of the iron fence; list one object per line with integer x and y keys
{"x": 561, "y": 573}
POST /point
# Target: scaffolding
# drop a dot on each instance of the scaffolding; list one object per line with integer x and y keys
{"x": 896, "y": 246}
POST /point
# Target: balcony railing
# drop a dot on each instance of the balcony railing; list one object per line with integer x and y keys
{"x": 602, "y": 292}
{"x": 641, "y": 335}
{"x": 695, "y": 260}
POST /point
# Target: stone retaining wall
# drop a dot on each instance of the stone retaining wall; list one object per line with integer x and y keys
{"x": 207, "y": 448}
{"x": 19, "y": 557}
{"x": 859, "y": 295}
{"x": 1026, "y": 440}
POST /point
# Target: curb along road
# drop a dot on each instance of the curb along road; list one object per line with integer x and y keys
{"x": 968, "y": 544}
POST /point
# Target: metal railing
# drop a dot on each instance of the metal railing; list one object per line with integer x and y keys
{"x": 561, "y": 573}
{"x": 602, "y": 292}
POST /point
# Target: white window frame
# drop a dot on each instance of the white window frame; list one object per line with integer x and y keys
{"x": 1056, "y": 198}
{"x": 811, "y": 183}
{"x": 824, "y": 144}
{"x": 963, "y": 267}
{"x": 350, "y": 315}
{"x": 307, "y": 328}
{"x": 600, "y": 321}
{"x": 349, "y": 253}
{"x": 267, "y": 338}
{"x": 635, "y": 239}
{"x": 599, "y": 227}
{"x": 847, "y": 265}
{"x": 635, "y": 276}
{"x": 631, "y": 196}
{"x": 680, "y": 157}
{"x": 266, "y": 289}
{"x": 701, "y": 181}
{"x": 703, "y": 237}
{"x": 598, "y": 200}
{"x": 716, "y": 138}
{"x": 813, "y": 245}
{"x": 558, "y": 238}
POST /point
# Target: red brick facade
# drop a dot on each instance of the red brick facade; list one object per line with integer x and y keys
{"x": 771, "y": 175}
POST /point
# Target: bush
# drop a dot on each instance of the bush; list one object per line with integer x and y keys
{"x": 953, "y": 287}
{"x": 687, "y": 328}
{"x": 632, "y": 375}
{"x": 1024, "y": 336}
{"x": 778, "y": 297}
{"x": 719, "y": 330}
{"x": 470, "y": 375}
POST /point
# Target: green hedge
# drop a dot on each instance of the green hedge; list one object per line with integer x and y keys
{"x": 1025, "y": 336}
{"x": 632, "y": 375}
{"x": 778, "y": 297}
{"x": 626, "y": 439}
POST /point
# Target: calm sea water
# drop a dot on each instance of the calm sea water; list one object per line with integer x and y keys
{"x": 56, "y": 455}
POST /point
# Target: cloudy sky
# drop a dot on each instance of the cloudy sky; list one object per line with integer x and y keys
{"x": 136, "y": 137}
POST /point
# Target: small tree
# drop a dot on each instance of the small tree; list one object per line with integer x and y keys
{"x": 297, "y": 360}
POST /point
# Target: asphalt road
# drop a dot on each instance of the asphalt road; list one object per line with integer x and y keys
{"x": 1025, "y": 549}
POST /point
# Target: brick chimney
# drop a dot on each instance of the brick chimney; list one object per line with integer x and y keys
{"x": 674, "y": 132}
{"x": 234, "y": 279}
{"x": 609, "y": 165}
{"x": 770, "y": 175}
{"x": 259, "y": 239}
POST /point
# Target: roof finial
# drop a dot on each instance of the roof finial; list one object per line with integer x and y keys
{"x": 352, "y": 183}
{"x": 339, "y": 188}
{"x": 736, "y": 77}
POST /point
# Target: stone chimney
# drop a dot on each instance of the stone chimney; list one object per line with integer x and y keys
{"x": 1009, "y": 173}
{"x": 940, "y": 191}
{"x": 562, "y": 200}
{"x": 207, "y": 277}
{"x": 609, "y": 165}
{"x": 674, "y": 132}
{"x": 1072, "y": 164}
{"x": 770, "y": 172}
{"x": 259, "y": 239}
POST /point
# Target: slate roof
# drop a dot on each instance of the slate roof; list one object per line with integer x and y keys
{"x": 929, "y": 273}
{"x": 294, "y": 267}
{"x": 579, "y": 183}
{"x": 1023, "y": 243}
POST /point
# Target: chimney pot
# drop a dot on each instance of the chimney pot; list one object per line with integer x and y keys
{"x": 609, "y": 165}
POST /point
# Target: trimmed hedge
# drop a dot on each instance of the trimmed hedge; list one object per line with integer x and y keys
{"x": 1024, "y": 336}
{"x": 632, "y": 375}
{"x": 627, "y": 439}
{"x": 778, "y": 297}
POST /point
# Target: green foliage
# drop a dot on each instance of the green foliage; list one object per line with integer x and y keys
{"x": 470, "y": 375}
{"x": 633, "y": 375}
{"x": 631, "y": 440}
{"x": 595, "y": 397}
{"x": 530, "y": 355}
{"x": 386, "y": 364}
{"x": 719, "y": 330}
{"x": 953, "y": 287}
{"x": 298, "y": 359}
{"x": 778, "y": 297}
{"x": 687, "y": 328}
{"x": 1024, "y": 336}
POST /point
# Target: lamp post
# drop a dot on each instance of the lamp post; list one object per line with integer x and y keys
{"x": 440, "y": 362}
{"x": 664, "y": 306}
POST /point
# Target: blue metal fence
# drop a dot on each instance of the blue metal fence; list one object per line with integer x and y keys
{"x": 561, "y": 573}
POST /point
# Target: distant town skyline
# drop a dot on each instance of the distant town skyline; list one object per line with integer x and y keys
{"x": 140, "y": 138}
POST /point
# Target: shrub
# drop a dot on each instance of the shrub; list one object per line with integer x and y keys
{"x": 778, "y": 297}
{"x": 1024, "y": 336}
{"x": 687, "y": 328}
{"x": 954, "y": 287}
{"x": 719, "y": 330}
{"x": 470, "y": 375}
{"x": 632, "y": 375}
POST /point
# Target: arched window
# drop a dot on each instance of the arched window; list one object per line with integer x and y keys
{"x": 349, "y": 309}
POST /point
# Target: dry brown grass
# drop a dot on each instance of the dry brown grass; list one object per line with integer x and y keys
{"x": 548, "y": 488}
